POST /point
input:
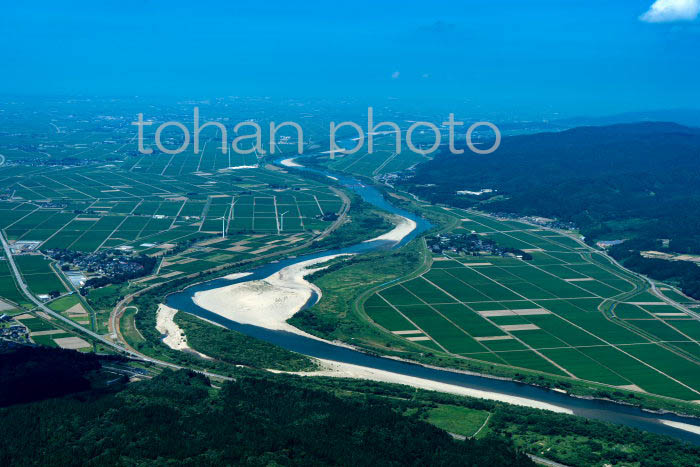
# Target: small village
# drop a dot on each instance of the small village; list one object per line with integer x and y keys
{"x": 471, "y": 245}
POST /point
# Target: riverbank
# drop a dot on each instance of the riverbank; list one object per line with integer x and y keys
{"x": 173, "y": 336}
{"x": 347, "y": 370}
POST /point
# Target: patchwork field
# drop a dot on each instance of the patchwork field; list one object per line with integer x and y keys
{"x": 198, "y": 217}
{"x": 567, "y": 312}
{"x": 383, "y": 160}
{"x": 107, "y": 207}
{"x": 193, "y": 212}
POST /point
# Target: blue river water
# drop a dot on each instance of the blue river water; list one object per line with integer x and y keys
{"x": 593, "y": 409}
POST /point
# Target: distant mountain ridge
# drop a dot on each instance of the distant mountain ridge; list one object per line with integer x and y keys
{"x": 687, "y": 117}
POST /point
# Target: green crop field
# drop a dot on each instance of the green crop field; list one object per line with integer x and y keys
{"x": 8, "y": 286}
{"x": 566, "y": 312}
{"x": 37, "y": 271}
{"x": 206, "y": 206}
{"x": 140, "y": 202}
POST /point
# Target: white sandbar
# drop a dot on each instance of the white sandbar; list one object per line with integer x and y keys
{"x": 174, "y": 336}
{"x": 682, "y": 426}
{"x": 237, "y": 275}
{"x": 267, "y": 303}
{"x": 347, "y": 370}
{"x": 290, "y": 163}
{"x": 403, "y": 227}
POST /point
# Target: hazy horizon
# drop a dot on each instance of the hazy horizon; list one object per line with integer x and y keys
{"x": 540, "y": 58}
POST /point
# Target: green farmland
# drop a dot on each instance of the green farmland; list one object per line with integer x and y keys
{"x": 138, "y": 209}
{"x": 567, "y": 312}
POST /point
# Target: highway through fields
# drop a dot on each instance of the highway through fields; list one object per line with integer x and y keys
{"x": 93, "y": 335}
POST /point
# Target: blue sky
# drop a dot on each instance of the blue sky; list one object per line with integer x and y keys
{"x": 567, "y": 56}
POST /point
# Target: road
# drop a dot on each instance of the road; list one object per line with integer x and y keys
{"x": 25, "y": 289}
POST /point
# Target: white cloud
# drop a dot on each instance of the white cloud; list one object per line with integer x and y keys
{"x": 666, "y": 11}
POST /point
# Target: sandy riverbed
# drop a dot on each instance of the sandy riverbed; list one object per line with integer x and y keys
{"x": 682, "y": 426}
{"x": 267, "y": 303}
{"x": 347, "y": 370}
{"x": 174, "y": 336}
{"x": 290, "y": 163}
{"x": 237, "y": 275}
{"x": 404, "y": 226}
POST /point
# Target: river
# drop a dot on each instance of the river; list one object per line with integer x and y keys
{"x": 589, "y": 408}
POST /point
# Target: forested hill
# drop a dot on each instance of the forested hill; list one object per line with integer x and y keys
{"x": 628, "y": 181}
{"x": 603, "y": 172}
{"x": 178, "y": 418}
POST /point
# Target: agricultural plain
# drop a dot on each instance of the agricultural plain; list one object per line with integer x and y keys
{"x": 569, "y": 311}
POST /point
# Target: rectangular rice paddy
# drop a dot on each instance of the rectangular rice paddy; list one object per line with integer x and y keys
{"x": 640, "y": 374}
{"x": 426, "y": 291}
{"x": 529, "y": 359}
{"x": 440, "y": 329}
{"x": 689, "y": 327}
{"x": 468, "y": 320}
{"x": 539, "y": 339}
{"x": 627, "y": 311}
{"x": 38, "y": 274}
{"x": 504, "y": 345}
{"x": 659, "y": 329}
{"x": 584, "y": 367}
{"x": 672, "y": 364}
{"x": 8, "y": 286}
{"x": 388, "y": 318}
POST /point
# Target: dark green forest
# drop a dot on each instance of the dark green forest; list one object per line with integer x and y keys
{"x": 177, "y": 417}
{"x": 683, "y": 273}
{"x": 635, "y": 182}
{"x": 35, "y": 373}
{"x": 266, "y": 419}
{"x": 235, "y": 348}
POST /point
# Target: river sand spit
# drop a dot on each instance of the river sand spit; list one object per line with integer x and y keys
{"x": 237, "y": 275}
{"x": 290, "y": 163}
{"x": 268, "y": 302}
{"x": 404, "y": 226}
{"x": 682, "y": 426}
{"x": 174, "y": 337}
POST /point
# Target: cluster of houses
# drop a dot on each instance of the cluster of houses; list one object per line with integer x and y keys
{"x": 94, "y": 270}
{"x": 461, "y": 243}
{"x": 13, "y": 332}
{"x": 471, "y": 244}
{"x": 105, "y": 263}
